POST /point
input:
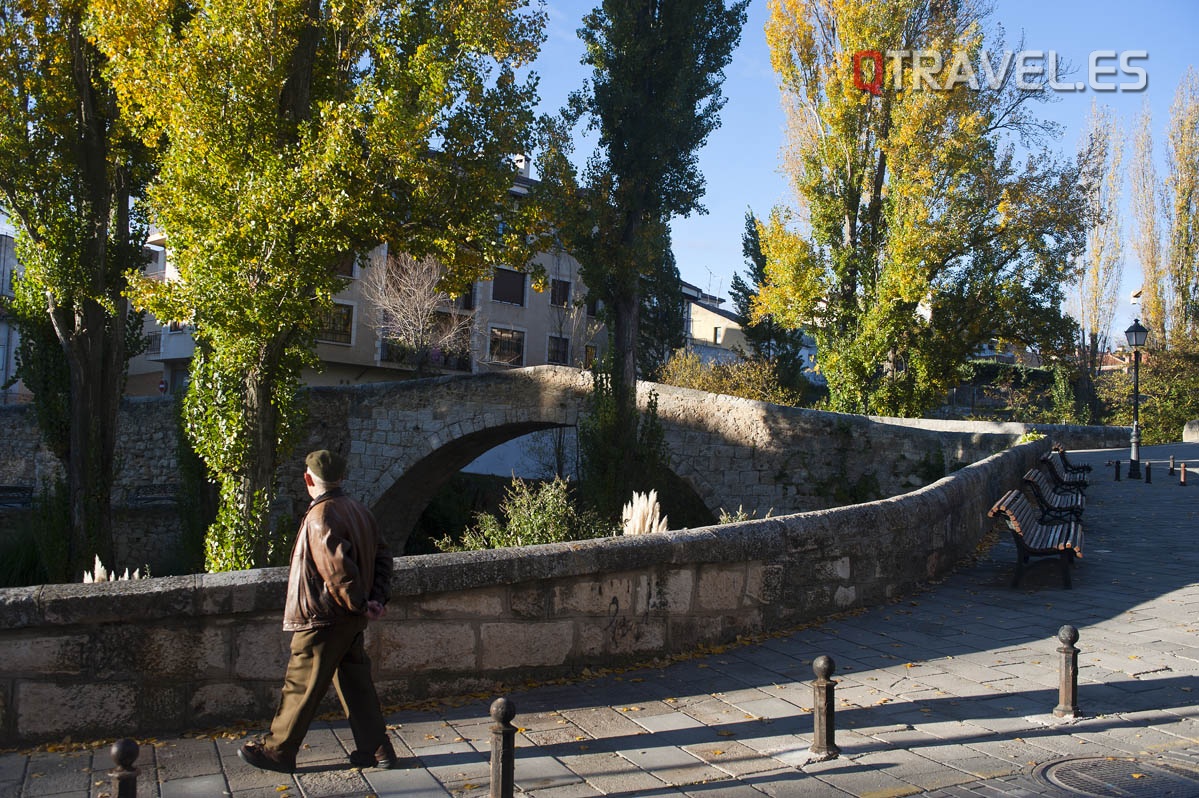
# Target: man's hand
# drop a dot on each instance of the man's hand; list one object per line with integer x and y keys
{"x": 375, "y": 610}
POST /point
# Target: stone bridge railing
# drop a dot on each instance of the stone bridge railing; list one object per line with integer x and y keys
{"x": 188, "y": 652}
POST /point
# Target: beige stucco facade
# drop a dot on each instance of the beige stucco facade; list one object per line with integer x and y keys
{"x": 544, "y": 322}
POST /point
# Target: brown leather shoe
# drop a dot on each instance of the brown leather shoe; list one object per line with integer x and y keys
{"x": 384, "y": 758}
{"x": 263, "y": 758}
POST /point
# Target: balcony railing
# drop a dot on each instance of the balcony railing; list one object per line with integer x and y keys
{"x": 423, "y": 357}
{"x": 154, "y": 344}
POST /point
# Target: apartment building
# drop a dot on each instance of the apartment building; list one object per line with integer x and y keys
{"x": 8, "y": 330}
{"x": 511, "y": 322}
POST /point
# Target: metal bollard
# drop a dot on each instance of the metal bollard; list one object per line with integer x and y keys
{"x": 1148, "y": 473}
{"x": 824, "y": 745}
{"x": 124, "y": 776}
{"x": 1067, "y": 702}
{"x": 1171, "y": 471}
{"x": 1117, "y": 470}
{"x": 503, "y": 748}
{"x": 1182, "y": 474}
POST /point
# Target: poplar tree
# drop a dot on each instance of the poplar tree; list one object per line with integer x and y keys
{"x": 920, "y": 233}
{"x": 296, "y": 134}
{"x": 1145, "y": 200}
{"x": 1102, "y": 261}
{"x": 1182, "y": 206}
{"x": 654, "y": 98}
{"x": 70, "y": 170}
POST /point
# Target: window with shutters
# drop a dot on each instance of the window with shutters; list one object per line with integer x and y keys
{"x": 508, "y": 286}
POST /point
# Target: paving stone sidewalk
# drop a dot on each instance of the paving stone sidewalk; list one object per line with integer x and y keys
{"x": 946, "y": 693}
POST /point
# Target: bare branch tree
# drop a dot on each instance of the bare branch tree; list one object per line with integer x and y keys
{"x": 554, "y": 451}
{"x": 415, "y": 315}
{"x": 1097, "y": 291}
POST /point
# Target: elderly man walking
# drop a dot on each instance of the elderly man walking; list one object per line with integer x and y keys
{"x": 340, "y": 570}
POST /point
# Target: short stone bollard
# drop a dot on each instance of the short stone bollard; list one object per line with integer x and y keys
{"x": 1148, "y": 472}
{"x": 1171, "y": 471}
{"x": 1182, "y": 474}
{"x": 503, "y": 749}
{"x": 1117, "y": 470}
{"x": 1067, "y": 701}
{"x": 824, "y": 744}
{"x": 124, "y": 776}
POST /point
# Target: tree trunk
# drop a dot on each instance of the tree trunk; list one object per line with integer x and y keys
{"x": 257, "y": 481}
{"x": 93, "y": 340}
{"x": 625, "y": 319}
{"x": 256, "y": 488}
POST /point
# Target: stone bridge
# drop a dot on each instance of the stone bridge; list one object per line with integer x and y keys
{"x": 405, "y": 440}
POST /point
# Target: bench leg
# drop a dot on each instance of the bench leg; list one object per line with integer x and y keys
{"x": 1064, "y": 561}
{"x": 1021, "y": 558}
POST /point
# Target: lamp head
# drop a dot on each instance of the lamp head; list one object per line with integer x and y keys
{"x": 1136, "y": 334}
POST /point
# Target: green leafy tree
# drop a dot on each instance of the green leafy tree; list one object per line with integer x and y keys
{"x": 662, "y": 319}
{"x": 295, "y": 134}
{"x": 657, "y": 67}
{"x": 920, "y": 234}
{"x": 70, "y": 169}
{"x": 770, "y": 340}
{"x": 1169, "y": 386}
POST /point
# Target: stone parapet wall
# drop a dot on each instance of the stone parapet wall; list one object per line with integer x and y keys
{"x": 145, "y": 450}
{"x": 188, "y": 652}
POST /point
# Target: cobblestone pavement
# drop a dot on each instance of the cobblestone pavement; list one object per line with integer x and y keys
{"x": 946, "y": 693}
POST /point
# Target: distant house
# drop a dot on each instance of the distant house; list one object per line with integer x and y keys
{"x": 1007, "y": 353}
{"x": 1120, "y": 360}
{"x": 714, "y": 333}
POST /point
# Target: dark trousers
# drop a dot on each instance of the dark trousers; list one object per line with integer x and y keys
{"x": 332, "y": 654}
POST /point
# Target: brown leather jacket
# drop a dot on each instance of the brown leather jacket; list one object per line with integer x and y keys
{"x": 339, "y": 562}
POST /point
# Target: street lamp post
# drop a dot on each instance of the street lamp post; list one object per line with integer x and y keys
{"x": 1136, "y": 335}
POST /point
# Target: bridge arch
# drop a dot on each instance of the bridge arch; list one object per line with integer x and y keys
{"x": 404, "y": 440}
{"x": 413, "y": 485}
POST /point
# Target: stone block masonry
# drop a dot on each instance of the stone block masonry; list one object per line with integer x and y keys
{"x": 406, "y": 440}
{"x": 189, "y": 652}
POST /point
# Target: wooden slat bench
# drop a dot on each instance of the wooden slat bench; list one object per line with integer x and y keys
{"x": 1035, "y": 539}
{"x": 1055, "y": 505}
{"x": 1071, "y": 468}
{"x": 16, "y": 497}
{"x": 142, "y": 495}
{"x": 1061, "y": 480}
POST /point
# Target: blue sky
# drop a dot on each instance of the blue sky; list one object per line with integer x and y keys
{"x": 741, "y": 159}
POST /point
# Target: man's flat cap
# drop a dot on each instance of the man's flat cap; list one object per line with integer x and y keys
{"x": 326, "y": 466}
